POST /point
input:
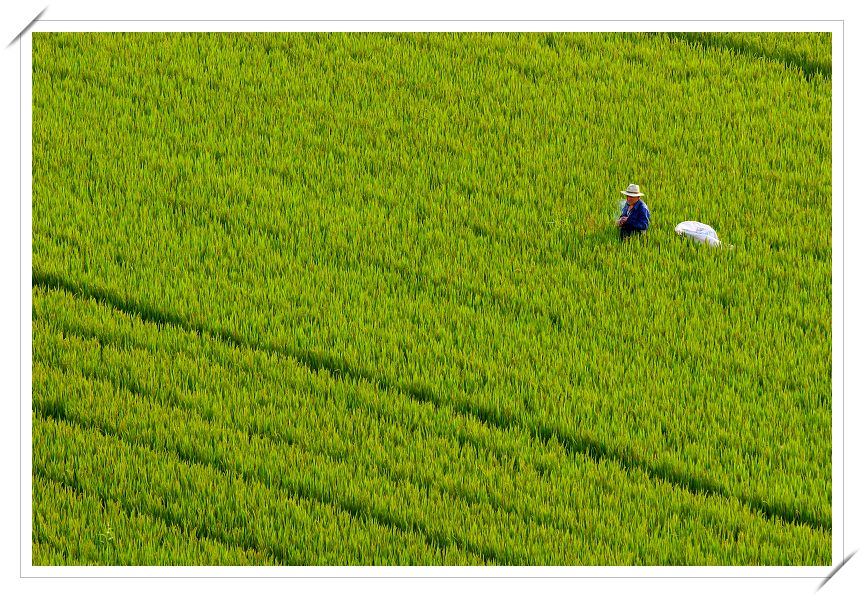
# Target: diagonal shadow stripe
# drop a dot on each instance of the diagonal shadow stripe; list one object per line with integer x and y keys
{"x": 386, "y": 470}
{"x": 339, "y": 368}
{"x": 437, "y": 540}
{"x": 171, "y": 522}
{"x": 787, "y": 57}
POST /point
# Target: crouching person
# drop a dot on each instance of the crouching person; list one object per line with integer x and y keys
{"x": 635, "y": 215}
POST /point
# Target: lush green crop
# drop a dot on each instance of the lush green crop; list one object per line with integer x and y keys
{"x": 810, "y": 52}
{"x": 357, "y": 299}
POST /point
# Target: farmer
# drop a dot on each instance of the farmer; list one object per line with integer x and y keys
{"x": 634, "y": 215}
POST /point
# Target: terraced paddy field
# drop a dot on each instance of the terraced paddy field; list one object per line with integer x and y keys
{"x": 358, "y": 299}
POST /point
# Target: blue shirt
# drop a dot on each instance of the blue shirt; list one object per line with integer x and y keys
{"x": 638, "y": 218}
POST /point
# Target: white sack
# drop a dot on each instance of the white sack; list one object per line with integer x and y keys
{"x": 701, "y": 233}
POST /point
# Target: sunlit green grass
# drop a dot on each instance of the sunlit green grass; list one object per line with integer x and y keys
{"x": 376, "y": 276}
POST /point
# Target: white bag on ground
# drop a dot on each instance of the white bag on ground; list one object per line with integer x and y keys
{"x": 701, "y": 233}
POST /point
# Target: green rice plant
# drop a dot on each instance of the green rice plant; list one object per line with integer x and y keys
{"x": 66, "y": 530}
{"x": 345, "y": 423}
{"x": 809, "y": 51}
{"x": 221, "y": 506}
{"x": 420, "y": 220}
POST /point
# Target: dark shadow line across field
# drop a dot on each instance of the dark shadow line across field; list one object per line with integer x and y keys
{"x": 75, "y": 486}
{"x": 172, "y": 400}
{"x": 488, "y": 554}
{"x": 163, "y": 515}
{"x": 360, "y": 513}
{"x": 337, "y": 367}
{"x": 278, "y": 441}
{"x": 789, "y": 58}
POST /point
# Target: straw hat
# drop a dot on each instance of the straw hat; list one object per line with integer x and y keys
{"x": 633, "y": 191}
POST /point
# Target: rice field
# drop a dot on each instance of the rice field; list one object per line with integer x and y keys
{"x": 359, "y": 299}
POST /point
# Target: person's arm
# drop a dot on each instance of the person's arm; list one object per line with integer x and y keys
{"x": 622, "y": 217}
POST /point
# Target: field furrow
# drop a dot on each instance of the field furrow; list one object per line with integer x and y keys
{"x": 502, "y": 414}
{"x": 221, "y": 504}
{"x": 83, "y": 529}
{"x": 810, "y": 52}
{"x": 282, "y": 410}
{"x": 358, "y": 298}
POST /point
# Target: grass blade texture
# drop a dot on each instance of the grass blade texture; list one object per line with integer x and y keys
{"x": 358, "y": 299}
